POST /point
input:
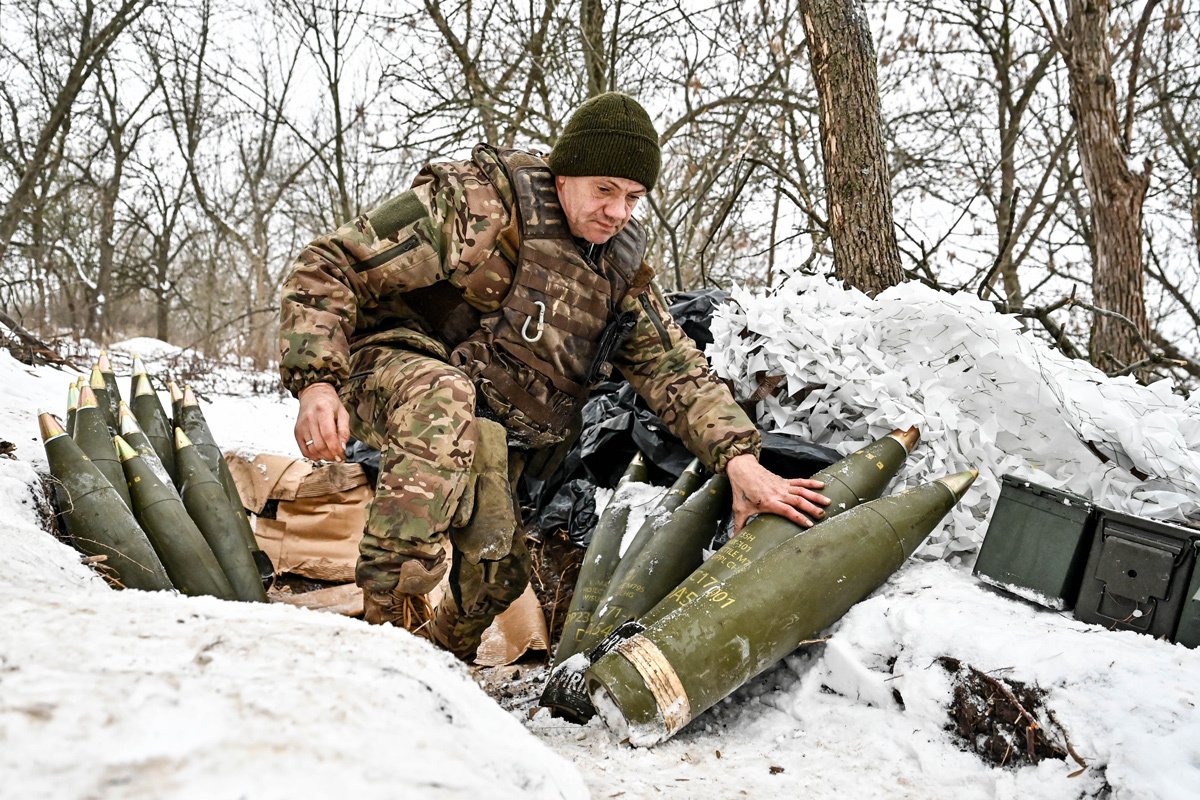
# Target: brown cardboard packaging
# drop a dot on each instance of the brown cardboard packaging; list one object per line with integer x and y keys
{"x": 309, "y": 518}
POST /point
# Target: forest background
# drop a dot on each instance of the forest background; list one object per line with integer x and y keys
{"x": 162, "y": 163}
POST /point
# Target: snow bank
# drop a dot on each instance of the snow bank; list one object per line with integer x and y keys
{"x": 154, "y": 695}
{"x": 1125, "y": 701}
{"x": 984, "y": 393}
{"x": 150, "y": 349}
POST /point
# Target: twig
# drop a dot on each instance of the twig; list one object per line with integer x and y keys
{"x": 1104, "y": 312}
{"x": 1066, "y": 740}
{"x": 1012, "y": 698}
{"x": 35, "y": 345}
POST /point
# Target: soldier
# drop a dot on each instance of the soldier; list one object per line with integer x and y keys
{"x": 458, "y": 326}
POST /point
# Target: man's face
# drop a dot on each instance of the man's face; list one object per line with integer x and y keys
{"x": 597, "y": 208}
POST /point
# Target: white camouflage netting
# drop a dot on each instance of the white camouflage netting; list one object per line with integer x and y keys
{"x": 984, "y": 393}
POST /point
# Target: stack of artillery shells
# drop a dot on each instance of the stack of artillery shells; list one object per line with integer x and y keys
{"x": 667, "y": 571}
{"x": 96, "y": 516}
{"x": 660, "y": 677}
{"x": 139, "y": 493}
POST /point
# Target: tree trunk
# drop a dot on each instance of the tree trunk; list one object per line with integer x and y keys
{"x": 99, "y": 326}
{"x": 591, "y": 29}
{"x": 865, "y": 253}
{"x": 1116, "y": 191}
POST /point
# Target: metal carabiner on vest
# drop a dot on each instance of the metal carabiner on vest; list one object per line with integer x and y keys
{"x": 541, "y": 323}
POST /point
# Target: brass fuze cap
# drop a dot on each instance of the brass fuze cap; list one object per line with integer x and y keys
{"x": 50, "y": 426}
{"x": 908, "y": 438}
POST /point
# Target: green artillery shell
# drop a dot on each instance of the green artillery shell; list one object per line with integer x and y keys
{"x": 565, "y": 693}
{"x": 191, "y": 420}
{"x": 189, "y": 560}
{"x": 96, "y": 516}
{"x": 110, "y": 385}
{"x": 151, "y": 418}
{"x": 176, "y": 401}
{"x": 132, "y": 433}
{"x": 100, "y": 391}
{"x": 139, "y": 369}
{"x": 865, "y": 473}
{"x": 94, "y": 439}
{"x": 599, "y": 561}
{"x": 72, "y": 405}
{"x": 857, "y": 478}
{"x": 220, "y": 523}
{"x": 655, "y": 681}
{"x": 675, "y": 550}
{"x": 688, "y": 481}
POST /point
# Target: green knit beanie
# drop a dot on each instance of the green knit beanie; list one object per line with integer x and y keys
{"x": 611, "y": 135}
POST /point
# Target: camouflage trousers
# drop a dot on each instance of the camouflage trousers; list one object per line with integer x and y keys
{"x": 442, "y": 472}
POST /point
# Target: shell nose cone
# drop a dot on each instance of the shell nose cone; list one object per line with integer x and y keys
{"x": 959, "y": 482}
{"x": 49, "y": 425}
{"x": 908, "y": 438}
{"x": 87, "y": 398}
{"x": 124, "y": 451}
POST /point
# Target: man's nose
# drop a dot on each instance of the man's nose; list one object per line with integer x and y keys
{"x": 617, "y": 209}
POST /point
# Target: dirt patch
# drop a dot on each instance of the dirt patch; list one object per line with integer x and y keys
{"x": 1004, "y": 721}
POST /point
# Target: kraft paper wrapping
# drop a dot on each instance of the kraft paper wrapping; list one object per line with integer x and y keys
{"x": 319, "y": 512}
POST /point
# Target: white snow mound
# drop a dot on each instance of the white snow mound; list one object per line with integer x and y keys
{"x": 153, "y": 695}
{"x": 985, "y": 394}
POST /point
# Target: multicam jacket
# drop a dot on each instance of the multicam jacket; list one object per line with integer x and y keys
{"x": 382, "y": 278}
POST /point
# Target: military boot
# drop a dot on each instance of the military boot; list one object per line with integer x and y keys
{"x": 479, "y": 593}
{"x": 404, "y": 604}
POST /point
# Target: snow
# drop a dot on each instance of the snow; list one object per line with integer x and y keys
{"x": 154, "y": 695}
{"x": 128, "y": 694}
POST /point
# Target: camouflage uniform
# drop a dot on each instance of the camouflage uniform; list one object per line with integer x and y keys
{"x": 355, "y": 314}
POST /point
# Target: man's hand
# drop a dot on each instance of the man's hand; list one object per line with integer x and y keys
{"x": 757, "y": 490}
{"x": 323, "y": 425}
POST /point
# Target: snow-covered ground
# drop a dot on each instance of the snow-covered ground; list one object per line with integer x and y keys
{"x": 106, "y": 694}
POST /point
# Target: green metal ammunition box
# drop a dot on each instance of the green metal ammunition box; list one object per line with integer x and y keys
{"x": 1188, "y": 631}
{"x": 1037, "y": 543}
{"x": 1137, "y": 575}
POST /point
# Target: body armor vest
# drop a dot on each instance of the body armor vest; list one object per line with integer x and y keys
{"x": 534, "y": 358}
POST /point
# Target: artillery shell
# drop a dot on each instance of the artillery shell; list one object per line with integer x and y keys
{"x": 661, "y": 677}
{"x": 96, "y": 516}
{"x": 95, "y": 440}
{"x": 209, "y": 508}
{"x": 186, "y": 555}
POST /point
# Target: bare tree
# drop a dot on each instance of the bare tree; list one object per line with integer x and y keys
{"x": 330, "y": 32}
{"x": 842, "y": 54}
{"x": 1116, "y": 190}
{"x": 88, "y": 37}
{"x": 163, "y": 234}
{"x": 243, "y": 166}
{"x": 121, "y": 123}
